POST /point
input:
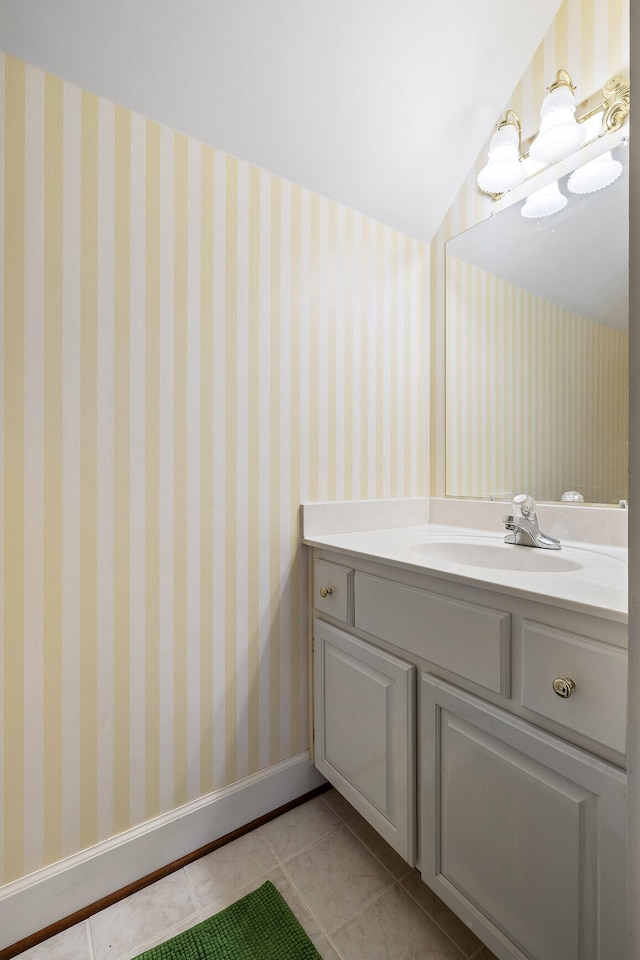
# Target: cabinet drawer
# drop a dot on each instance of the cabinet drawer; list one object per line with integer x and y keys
{"x": 333, "y": 590}
{"x": 597, "y": 707}
{"x": 471, "y": 641}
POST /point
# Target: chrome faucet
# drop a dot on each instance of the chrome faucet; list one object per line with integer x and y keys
{"x": 523, "y": 524}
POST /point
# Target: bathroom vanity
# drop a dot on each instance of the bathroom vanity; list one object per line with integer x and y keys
{"x": 469, "y": 700}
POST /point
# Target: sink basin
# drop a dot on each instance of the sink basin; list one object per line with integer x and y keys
{"x": 496, "y": 555}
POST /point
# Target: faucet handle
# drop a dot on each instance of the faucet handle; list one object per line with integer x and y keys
{"x": 525, "y": 506}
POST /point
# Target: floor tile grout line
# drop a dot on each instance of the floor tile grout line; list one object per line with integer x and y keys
{"x": 194, "y": 915}
{"x": 365, "y": 845}
{"x": 335, "y": 812}
{"x": 258, "y": 878}
{"x": 392, "y": 881}
{"x": 304, "y": 900}
{"x": 375, "y": 855}
{"x": 326, "y": 932}
{"x": 367, "y": 903}
{"x": 281, "y": 863}
{"x": 311, "y": 843}
{"x": 89, "y": 935}
{"x": 151, "y": 942}
{"x": 351, "y": 828}
{"x": 192, "y": 892}
{"x": 341, "y": 955}
{"x": 440, "y": 928}
{"x": 261, "y": 878}
{"x": 399, "y": 881}
{"x": 235, "y": 893}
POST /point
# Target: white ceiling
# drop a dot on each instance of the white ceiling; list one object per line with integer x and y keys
{"x": 382, "y": 105}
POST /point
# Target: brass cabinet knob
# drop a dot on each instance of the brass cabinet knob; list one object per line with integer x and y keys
{"x": 563, "y": 687}
{"x": 325, "y": 592}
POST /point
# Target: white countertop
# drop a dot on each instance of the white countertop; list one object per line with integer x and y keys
{"x": 583, "y": 576}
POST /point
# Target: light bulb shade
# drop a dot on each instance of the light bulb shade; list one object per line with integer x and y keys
{"x": 595, "y": 175}
{"x": 560, "y": 133}
{"x": 503, "y": 170}
{"x": 544, "y": 202}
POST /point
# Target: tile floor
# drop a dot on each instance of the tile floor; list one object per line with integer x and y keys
{"x": 355, "y": 897}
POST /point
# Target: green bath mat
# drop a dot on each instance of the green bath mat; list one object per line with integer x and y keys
{"x": 259, "y": 927}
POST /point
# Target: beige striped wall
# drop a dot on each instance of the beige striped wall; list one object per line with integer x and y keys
{"x": 190, "y": 348}
{"x": 537, "y": 397}
{"x": 590, "y": 38}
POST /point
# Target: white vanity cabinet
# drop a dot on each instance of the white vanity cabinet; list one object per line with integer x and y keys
{"x": 516, "y": 794}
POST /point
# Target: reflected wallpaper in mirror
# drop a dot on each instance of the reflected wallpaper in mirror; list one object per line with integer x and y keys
{"x": 537, "y": 352}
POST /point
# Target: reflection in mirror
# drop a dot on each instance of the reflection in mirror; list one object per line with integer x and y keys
{"x": 537, "y": 351}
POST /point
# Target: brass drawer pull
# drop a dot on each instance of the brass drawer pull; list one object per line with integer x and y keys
{"x": 325, "y": 592}
{"x": 563, "y": 687}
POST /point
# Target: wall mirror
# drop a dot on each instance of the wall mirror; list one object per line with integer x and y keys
{"x": 537, "y": 351}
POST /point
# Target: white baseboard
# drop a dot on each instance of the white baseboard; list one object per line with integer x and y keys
{"x": 48, "y": 895}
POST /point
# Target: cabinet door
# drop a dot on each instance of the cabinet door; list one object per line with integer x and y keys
{"x": 521, "y": 834}
{"x": 364, "y": 729}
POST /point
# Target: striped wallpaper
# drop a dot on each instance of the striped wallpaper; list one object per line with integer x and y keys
{"x": 537, "y": 397}
{"x": 190, "y": 347}
{"x": 590, "y": 38}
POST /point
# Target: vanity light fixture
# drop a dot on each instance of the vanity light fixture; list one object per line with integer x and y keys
{"x": 595, "y": 175}
{"x": 504, "y": 170}
{"x": 511, "y": 161}
{"x": 560, "y": 133}
{"x": 544, "y": 202}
